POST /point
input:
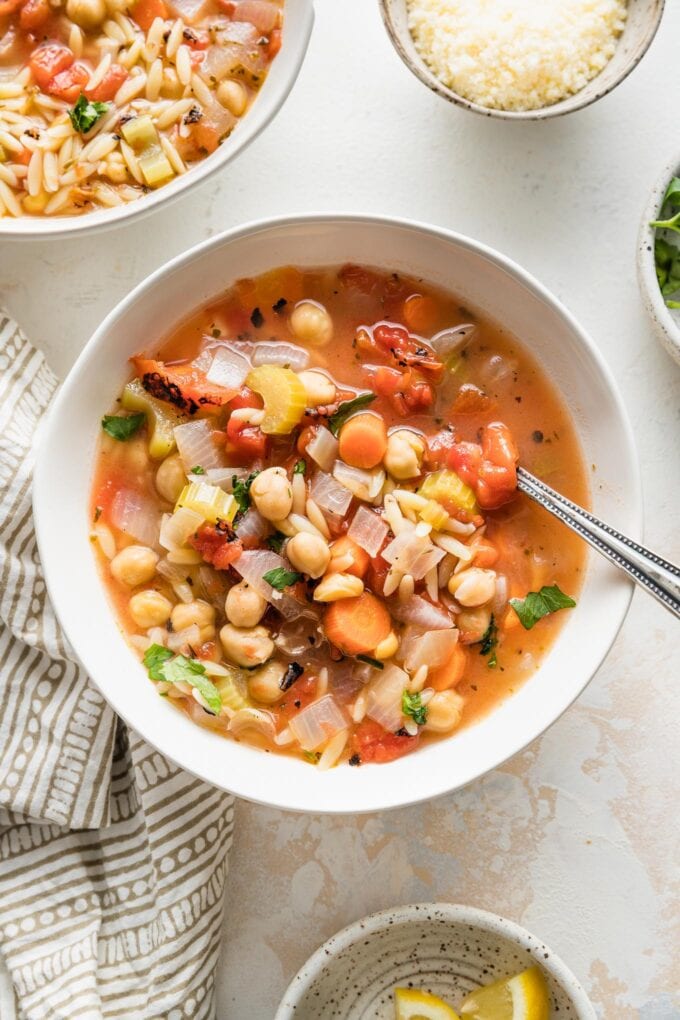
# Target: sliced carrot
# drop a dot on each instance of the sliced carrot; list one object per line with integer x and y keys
{"x": 357, "y": 625}
{"x": 451, "y": 673}
{"x": 421, "y": 313}
{"x": 346, "y": 547}
{"x": 145, "y": 12}
{"x": 363, "y": 440}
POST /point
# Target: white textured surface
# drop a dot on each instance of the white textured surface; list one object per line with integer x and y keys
{"x": 576, "y": 838}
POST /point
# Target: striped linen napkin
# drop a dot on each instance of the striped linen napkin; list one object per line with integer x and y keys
{"x": 112, "y": 860}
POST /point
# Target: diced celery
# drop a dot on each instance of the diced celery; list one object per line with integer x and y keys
{"x": 434, "y": 513}
{"x": 232, "y": 690}
{"x": 155, "y": 166}
{"x": 140, "y": 133}
{"x": 447, "y": 488}
{"x": 160, "y": 418}
{"x": 3, "y": 155}
{"x": 284, "y": 396}
{"x": 213, "y": 503}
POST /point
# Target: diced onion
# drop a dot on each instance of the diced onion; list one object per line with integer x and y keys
{"x": 316, "y": 724}
{"x": 433, "y": 649}
{"x": 368, "y": 530}
{"x": 196, "y": 447}
{"x": 280, "y": 353}
{"x": 176, "y": 528}
{"x": 228, "y": 369}
{"x": 384, "y": 694}
{"x": 189, "y": 636}
{"x": 323, "y": 448}
{"x": 172, "y": 572}
{"x": 224, "y": 477}
{"x": 420, "y": 613}
{"x": 346, "y": 680}
{"x": 500, "y": 599}
{"x": 363, "y": 484}
{"x": 203, "y": 361}
{"x": 252, "y": 565}
{"x": 136, "y": 515}
{"x": 412, "y": 554}
{"x": 449, "y": 341}
{"x": 252, "y": 528}
{"x": 329, "y": 494}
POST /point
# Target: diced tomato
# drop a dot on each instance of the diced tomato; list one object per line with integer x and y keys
{"x": 419, "y": 396}
{"x": 206, "y": 650}
{"x": 68, "y": 84}
{"x": 196, "y": 39}
{"x": 471, "y": 400}
{"x": 182, "y": 385}
{"x": 205, "y": 135}
{"x": 390, "y": 337}
{"x": 359, "y": 278}
{"x": 109, "y": 85}
{"x": 228, "y": 6}
{"x": 34, "y": 14}
{"x": 438, "y": 447}
{"x": 490, "y": 469}
{"x": 216, "y": 545}
{"x": 387, "y": 381}
{"x": 466, "y": 459}
{"x": 247, "y": 440}
{"x": 378, "y": 569}
{"x": 373, "y": 743}
{"x": 407, "y": 350}
{"x": 274, "y": 44}
{"x": 146, "y": 11}
{"x": 22, "y": 157}
{"x": 245, "y": 398}
{"x": 8, "y": 7}
{"x": 300, "y": 694}
{"x": 49, "y": 60}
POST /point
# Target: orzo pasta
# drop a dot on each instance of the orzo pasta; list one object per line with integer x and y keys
{"x": 102, "y": 100}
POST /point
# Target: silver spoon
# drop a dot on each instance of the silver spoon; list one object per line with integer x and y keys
{"x": 658, "y": 576}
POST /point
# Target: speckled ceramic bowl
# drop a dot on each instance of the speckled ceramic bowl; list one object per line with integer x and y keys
{"x": 666, "y": 325}
{"x": 444, "y": 948}
{"x": 643, "y": 20}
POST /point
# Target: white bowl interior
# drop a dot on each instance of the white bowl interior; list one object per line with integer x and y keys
{"x": 64, "y": 470}
{"x": 298, "y": 20}
{"x": 642, "y": 23}
{"x": 444, "y": 949}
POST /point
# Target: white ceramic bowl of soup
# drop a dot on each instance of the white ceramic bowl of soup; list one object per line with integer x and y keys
{"x": 446, "y": 949}
{"x": 483, "y": 279}
{"x": 297, "y": 27}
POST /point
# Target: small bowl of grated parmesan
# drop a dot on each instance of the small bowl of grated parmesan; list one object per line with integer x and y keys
{"x": 522, "y": 59}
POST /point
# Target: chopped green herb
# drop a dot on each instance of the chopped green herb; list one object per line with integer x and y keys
{"x": 492, "y": 662}
{"x": 300, "y": 468}
{"x": 346, "y": 408}
{"x": 154, "y": 659}
{"x": 85, "y": 114}
{"x": 672, "y": 223}
{"x": 122, "y": 427}
{"x": 281, "y": 578}
{"x": 276, "y": 541}
{"x": 376, "y": 663}
{"x": 312, "y": 756}
{"x": 489, "y": 641}
{"x": 98, "y": 511}
{"x": 538, "y": 604}
{"x": 198, "y": 470}
{"x": 411, "y": 704}
{"x": 666, "y": 255}
{"x": 241, "y": 490}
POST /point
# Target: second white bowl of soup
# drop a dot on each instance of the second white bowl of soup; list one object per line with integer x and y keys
{"x": 302, "y": 569}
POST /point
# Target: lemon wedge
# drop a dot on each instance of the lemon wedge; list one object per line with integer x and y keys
{"x": 523, "y": 997}
{"x": 414, "y": 1004}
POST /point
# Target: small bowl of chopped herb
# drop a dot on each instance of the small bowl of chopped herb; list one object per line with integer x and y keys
{"x": 659, "y": 258}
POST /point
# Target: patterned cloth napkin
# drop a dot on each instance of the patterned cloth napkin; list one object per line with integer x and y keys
{"x": 112, "y": 860}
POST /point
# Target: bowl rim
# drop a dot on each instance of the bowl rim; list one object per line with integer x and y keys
{"x": 665, "y": 326}
{"x": 293, "y": 51}
{"x": 570, "y": 104}
{"x": 193, "y": 762}
{"x": 458, "y": 913}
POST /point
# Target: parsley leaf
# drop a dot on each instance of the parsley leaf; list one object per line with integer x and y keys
{"x": 346, "y": 408}
{"x": 488, "y": 642}
{"x": 411, "y": 704}
{"x": 538, "y": 604}
{"x": 281, "y": 578}
{"x": 122, "y": 428}
{"x": 300, "y": 468}
{"x": 376, "y": 663}
{"x": 241, "y": 490}
{"x": 85, "y": 113}
{"x": 154, "y": 659}
{"x": 276, "y": 541}
{"x": 198, "y": 470}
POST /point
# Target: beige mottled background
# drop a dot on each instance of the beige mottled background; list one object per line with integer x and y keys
{"x": 577, "y": 838}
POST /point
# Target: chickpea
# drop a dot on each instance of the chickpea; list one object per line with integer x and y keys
{"x": 248, "y": 646}
{"x": 150, "y": 609}
{"x": 311, "y": 323}
{"x": 265, "y": 684}
{"x": 444, "y": 711}
{"x": 171, "y": 478}
{"x": 473, "y": 587}
{"x": 309, "y": 553}
{"x": 233, "y": 96}
{"x": 244, "y": 606}
{"x": 201, "y": 613}
{"x": 319, "y": 388}
{"x": 404, "y": 454}
{"x": 88, "y": 14}
{"x": 473, "y": 624}
{"x": 272, "y": 494}
{"x": 134, "y": 565}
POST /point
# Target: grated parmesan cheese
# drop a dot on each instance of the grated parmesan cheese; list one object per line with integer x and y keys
{"x": 516, "y": 54}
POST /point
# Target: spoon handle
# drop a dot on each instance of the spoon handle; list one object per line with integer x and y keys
{"x": 658, "y": 576}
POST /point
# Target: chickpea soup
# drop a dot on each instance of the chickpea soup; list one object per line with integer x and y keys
{"x": 103, "y": 100}
{"x": 306, "y": 515}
